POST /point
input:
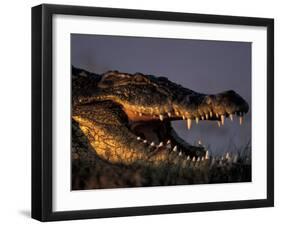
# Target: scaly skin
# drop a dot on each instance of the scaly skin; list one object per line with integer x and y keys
{"x": 89, "y": 171}
{"x": 115, "y": 109}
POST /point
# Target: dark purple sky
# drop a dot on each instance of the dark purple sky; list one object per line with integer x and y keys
{"x": 203, "y": 66}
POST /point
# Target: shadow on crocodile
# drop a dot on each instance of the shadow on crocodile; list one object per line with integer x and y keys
{"x": 122, "y": 134}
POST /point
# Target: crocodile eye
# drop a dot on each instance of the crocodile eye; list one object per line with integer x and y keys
{"x": 139, "y": 78}
{"x": 113, "y": 78}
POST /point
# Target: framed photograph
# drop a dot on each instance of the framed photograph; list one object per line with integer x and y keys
{"x": 145, "y": 112}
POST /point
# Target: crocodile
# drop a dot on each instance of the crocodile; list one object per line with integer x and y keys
{"x": 124, "y": 121}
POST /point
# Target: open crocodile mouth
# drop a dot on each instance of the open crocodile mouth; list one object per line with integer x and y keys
{"x": 156, "y": 130}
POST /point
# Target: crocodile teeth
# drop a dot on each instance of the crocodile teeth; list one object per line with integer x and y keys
{"x": 169, "y": 114}
{"x": 222, "y": 119}
{"x": 207, "y": 155}
{"x": 235, "y": 159}
{"x": 193, "y": 159}
{"x": 188, "y": 158}
{"x": 183, "y": 117}
{"x": 211, "y": 114}
{"x": 197, "y": 120}
{"x": 202, "y": 117}
{"x": 138, "y": 138}
{"x": 213, "y": 161}
{"x": 175, "y": 148}
{"x": 161, "y": 117}
{"x": 207, "y": 116}
{"x": 168, "y": 144}
{"x": 152, "y": 144}
{"x": 231, "y": 117}
{"x": 180, "y": 153}
{"x": 227, "y": 156}
{"x": 160, "y": 145}
{"x": 189, "y": 122}
{"x": 240, "y": 120}
{"x": 219, "y": 124}
{"x": 198, "y": 159}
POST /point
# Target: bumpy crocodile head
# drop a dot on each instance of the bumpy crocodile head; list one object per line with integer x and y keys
{"x": 134, "y": 112}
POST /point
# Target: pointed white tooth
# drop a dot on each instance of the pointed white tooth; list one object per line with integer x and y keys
{"x": 197, "y": 120}
{"x": 202, "y": 159}
{"x": 219, "y": 124}
{"x": 222, "y": 119}
{"x": 213, "y": 161}
{"x": 169, "y": 114}
{"x": 168, "y": 145}
{"x": 202, "y": 117}
{"x": 175, "y": 148}
{"x": 193, "y": 159}
{"x": 227, "y": 156}
{"x": 152, "y": 144}
{"x": 235, "y": 159}
{"x": 199, "y": 142}
{"x": 138, "y": 138}
{"x": 211, "y": 114}
{"x": 145, "y": 141}
{"x": 231, "y": 117}
{"x": 161, "y": 117}
{"x": 207, "y": 116}
{"x": 207, "y": 155}
{"x": 183, "y": 117}
{"x": 240, "y": 120}
{"x": 188, "y": 158}
{"x": 217, "y": 115}
{"x": 180, "y": 153}
{"x": 160, "y": 144}
{"x": 198, "y": 159}
{"x": 189, "y": 122}
{"x": 229, "y": 161}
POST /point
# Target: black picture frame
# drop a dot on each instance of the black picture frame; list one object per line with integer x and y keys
{"x": 42, "y": 111}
